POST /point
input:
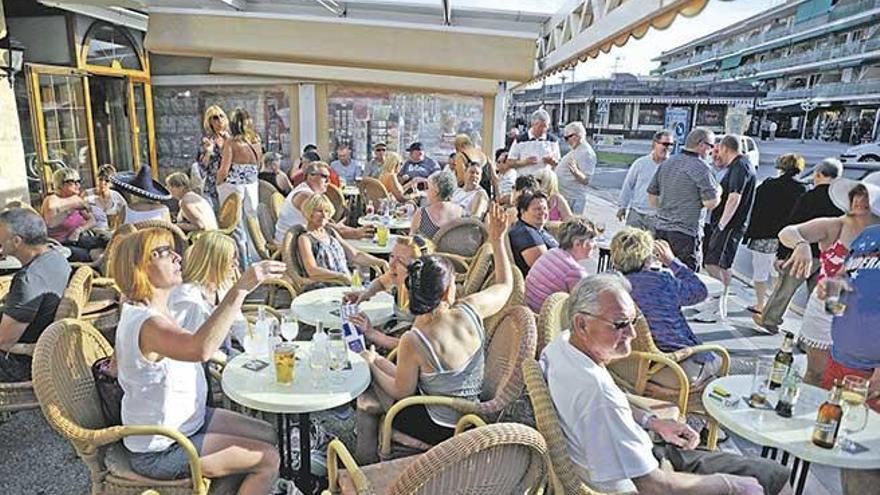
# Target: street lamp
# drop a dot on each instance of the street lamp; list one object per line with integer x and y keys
{"x": 807, "y": 106}
{"x": 562, "y": 102}
{"x": 11, "y": 58}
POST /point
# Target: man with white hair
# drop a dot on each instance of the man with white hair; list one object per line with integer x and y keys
{"x": 576, "y": 167}
{"x": 605, "y": 438}
{"x": 535, "y": 149}
{"x": 682, "y": 186}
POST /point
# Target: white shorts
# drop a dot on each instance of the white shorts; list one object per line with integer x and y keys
{"x": 762, "y": 266}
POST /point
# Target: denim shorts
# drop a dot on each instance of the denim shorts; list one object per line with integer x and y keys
{"x": 171, "y": 463}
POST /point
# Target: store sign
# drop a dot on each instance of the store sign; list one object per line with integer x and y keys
{"x": 678, "y": 120}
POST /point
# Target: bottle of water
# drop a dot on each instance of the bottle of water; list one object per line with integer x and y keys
{"x": 318, "y": 356}
{"x": 262, "y": 333}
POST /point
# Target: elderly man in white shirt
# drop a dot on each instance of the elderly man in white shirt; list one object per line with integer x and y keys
{"x": 537, "y": 148}
{"x": 633, "y": 200}
{"x": 605, "y": 438}
{"x": 576, "y": 168}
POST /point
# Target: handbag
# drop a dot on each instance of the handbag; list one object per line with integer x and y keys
{"x": 109, "y": 391}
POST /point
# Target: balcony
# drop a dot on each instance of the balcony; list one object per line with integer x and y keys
{"x": 841, "y": 11}
{"x": 827, "y": 90}
{"x": 826, "y": 54}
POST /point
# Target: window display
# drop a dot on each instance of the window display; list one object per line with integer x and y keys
{"x": 362, "y": 117}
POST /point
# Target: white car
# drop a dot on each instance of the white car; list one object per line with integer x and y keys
{"x": 749, "y": 148}
{"x": 864, "y": 153}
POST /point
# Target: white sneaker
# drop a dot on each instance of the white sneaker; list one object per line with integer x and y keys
{"x": 285, "y": 487}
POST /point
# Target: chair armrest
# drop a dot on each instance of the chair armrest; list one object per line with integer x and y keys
{"x": 104, "y": 282}
{"x": 337, "y": 452}
{"x": 392, "y": 356}
{"x": 117, "y": 433}
{"x": 468, "y": 420}
{"x": 646, "y": 370}
{"x": 662, "y": 408}
{"x": 460, "y": 263}
{"x": 682, "y": 354}
{"x": 253, "y": 309}
{"x": 23, "y": 349}
{"x": 460, "y": 405}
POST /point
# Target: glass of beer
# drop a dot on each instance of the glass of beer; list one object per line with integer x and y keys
{"x": 382, "y": 235}
{"x": 760, "y": 383}
{"x": 855, "y": 411}
{"x": 285, "y": 362}
{"x": 834, "y": 289}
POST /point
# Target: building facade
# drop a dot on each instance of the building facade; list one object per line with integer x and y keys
{"x": 633, "y": 107}
{"x": 817, "y": 60}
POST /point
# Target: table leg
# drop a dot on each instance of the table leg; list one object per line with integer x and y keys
{"x": 802, "y": 479}
{"x": 794, "y": 467}
{"x": 784, "y": 460}
{"x": 284, "y": 452}
{"x": 765, "y": 451}
{"x": 304, "y": 479}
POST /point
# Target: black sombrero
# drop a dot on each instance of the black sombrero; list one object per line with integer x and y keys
{"x": 141, "y": 184}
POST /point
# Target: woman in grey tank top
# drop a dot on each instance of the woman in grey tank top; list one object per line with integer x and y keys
{"x": 443, "y": 352}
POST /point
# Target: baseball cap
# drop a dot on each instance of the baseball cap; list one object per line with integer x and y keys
{"x": 415, "y": 146}
{"x": 379, "y": 145}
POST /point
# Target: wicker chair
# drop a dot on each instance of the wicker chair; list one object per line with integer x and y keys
{"x": 265, "y": 190}
{"x": 296, "y": 273}
{"x": 5, "y": 283}
{"x": 502, "y": 380}
{"x": 552, "y": 319}
{"x": 515, "y": 454}
{"x": 266, "y": 250}
{"x": 554, "y": 228}
{"x": 338, "y": 200}
{"x": 69, "y": 399}
{"x": 100, "y": 308}
{"x": 267, "y": 220}
{"x": 517, "y": 298}
{"x": 479, "y": 271}
{"x": 462, "y": 237}
{"x": 634, "y": 374}
{"x": 181, "y": 242}
{"x": 230, "y": 214}
{"x": 18, "y": 396}
{"x": 373, "y": 190}
{"x": 276, "y": 202}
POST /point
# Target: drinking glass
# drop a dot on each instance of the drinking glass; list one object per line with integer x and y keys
{"x": 289, "y": 327}
{"x": 834, "y": 289}
{"x": 382, "y": 235}
{"x": 760, "y": 382}
{"x": 855, "y": 410}
{"x": 317, "y": 364}
{"x": 284, "y": 357}
{"x": 338, "y": 354}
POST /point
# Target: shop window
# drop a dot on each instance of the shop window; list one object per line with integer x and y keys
{"x": 361, "y": 117}
{"x": 711, "y": 115}
{"x": 617, "y": 114}
{"x": 652, "y": 114}
{"x": 109, "y": 46}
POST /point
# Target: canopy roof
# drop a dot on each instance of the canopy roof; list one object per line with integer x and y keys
{"x": 454, "y": 45}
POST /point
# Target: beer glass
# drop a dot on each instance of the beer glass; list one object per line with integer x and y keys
{"x": 855, "y": 410}
{"x": 284, "y": 357}
{"x": 760, "y": 382}
{"x": 382, "y": 235}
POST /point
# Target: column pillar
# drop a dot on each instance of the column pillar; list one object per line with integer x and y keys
{"x": 499, "y": 123}
{"x": 308, "y": 123}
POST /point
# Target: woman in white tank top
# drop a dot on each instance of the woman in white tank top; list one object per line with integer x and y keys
{"x": 160, "y": 371}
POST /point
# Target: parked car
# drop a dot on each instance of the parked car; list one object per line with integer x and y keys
{"x": 748, "y": 147}
{"x": 863, "y": 153}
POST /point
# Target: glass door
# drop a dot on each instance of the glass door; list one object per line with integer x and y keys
{"x": 139, "y": 122}
{"x": 62, "y": 122}
{"x": 111, "y": 111}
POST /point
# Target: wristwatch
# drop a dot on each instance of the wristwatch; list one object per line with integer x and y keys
{"x": 646, "y": 420}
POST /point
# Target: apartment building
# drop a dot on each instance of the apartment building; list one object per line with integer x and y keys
{"x": 817, "y": 60}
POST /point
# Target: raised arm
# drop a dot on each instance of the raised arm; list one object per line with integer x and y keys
{"x": 489, "y": 301}
{"x": 163, "y": 337}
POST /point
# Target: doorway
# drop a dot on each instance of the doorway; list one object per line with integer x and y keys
{"x": 112, "y": 122}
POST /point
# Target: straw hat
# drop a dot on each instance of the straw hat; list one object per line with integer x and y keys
{"x": 840, "y": 188}
{"x": 141, "y": 184}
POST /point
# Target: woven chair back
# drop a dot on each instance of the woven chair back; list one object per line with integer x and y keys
{"x": 373, "y": 190}
{"x": 265, "y": 190}
{"x": 515, "y": 455}
{"x": 552, "y": 319}
{"x": 256, "y": 234}
{"x": 479, "y": 271}
{"x": 290, "y": 255}
{"x": 462, "y": 237}
{"x": 180, "y": 240}
{"x": 517, "y": 298}
{"x": 230, "y": 213}
{"x": 5, "y": 283}
{"x": 547, "y": 421}
{"x": 276, "y": 202}
{"x": 76, "y": 295}
{"x": 644, "y": 341}
{"x": 513, "y": 341}
{"x": 554, "y": 228}
{"x": 338, "y": 200}
{"x": 63, "y": 382}
{"x": 266, "y": 220}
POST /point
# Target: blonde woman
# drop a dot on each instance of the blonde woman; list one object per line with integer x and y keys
{"x": 405, "y": 251}
{"x": 559, "y": 209}
{"x": 216, "y": 126}
{"x": 69, "y": 218}
{"x": 210, "y": 269}
{"x": 238, "y": 174}
{"x": 472, "y": 197}
{"x": 465, "y": 155}
{"x": 195, "y": 212}
{"x": 324, "y": 253}
{"x": 161, "y": 374}
{"x": 388, "y": 177}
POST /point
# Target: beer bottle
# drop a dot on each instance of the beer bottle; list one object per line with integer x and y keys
{"x": 828, "y": 420}
{"x": 782, "y": 362}
{"x": 789, "y": 393}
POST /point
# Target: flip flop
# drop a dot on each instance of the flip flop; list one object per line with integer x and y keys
{"x": 755, "y": 310}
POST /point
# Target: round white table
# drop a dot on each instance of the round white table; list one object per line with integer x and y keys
{"x": 323, "y": 305}
{"x": 260, "y": 391}
{"x": 790, "y": 435}
{"x": 370, "y": 246}
{"x": 351, "y": 190}
{"x": 397, "y": 223}
{"x": 9, "y": 264}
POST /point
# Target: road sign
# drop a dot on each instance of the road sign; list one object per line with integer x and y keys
{"x": 678, "y": 120}
{"x": 602, "y": 107}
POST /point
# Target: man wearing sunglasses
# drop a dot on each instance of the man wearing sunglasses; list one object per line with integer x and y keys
{"x": 576, "y": 167}
{"x": 633, "y": 201}
{"x": 682, "y": 186}
{"x": 605, "y": 437}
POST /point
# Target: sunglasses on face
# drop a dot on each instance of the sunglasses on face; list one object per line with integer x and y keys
{"x": 73, "y": 181}
{"x": 570, "y": 136}
{"x": 323, "y": 176}
{"x": 665, "y": 144}
{"x": 161, "y": 252}
{"x": 618, "y": 325}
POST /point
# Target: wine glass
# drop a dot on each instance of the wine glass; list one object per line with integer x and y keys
{"x": 855, "y": 411}
{"x": 289, "y": 327}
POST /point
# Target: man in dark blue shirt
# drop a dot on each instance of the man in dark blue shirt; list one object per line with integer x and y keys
{"x": 418, "y": 167}
{"x": 727, "y": 223}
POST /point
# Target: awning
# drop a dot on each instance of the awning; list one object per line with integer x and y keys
{"x": 810, "y": 9}
{"x": 346, "y": 43}
{"x": 731, "y": 62}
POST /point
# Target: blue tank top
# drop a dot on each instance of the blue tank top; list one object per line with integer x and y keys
{"x": 856, "y": 334}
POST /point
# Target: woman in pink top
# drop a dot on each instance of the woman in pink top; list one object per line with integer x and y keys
{"x": 559, "y": 269}
{"x": 559, "y": 208}
{"x": 69, "y": 218}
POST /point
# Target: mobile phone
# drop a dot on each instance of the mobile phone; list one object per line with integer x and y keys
{"x": 255, "y": 365}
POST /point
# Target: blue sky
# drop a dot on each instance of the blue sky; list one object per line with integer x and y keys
{"x": 635, "y": 57}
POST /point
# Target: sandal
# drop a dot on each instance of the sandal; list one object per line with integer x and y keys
{"x": 753, "y": 309}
